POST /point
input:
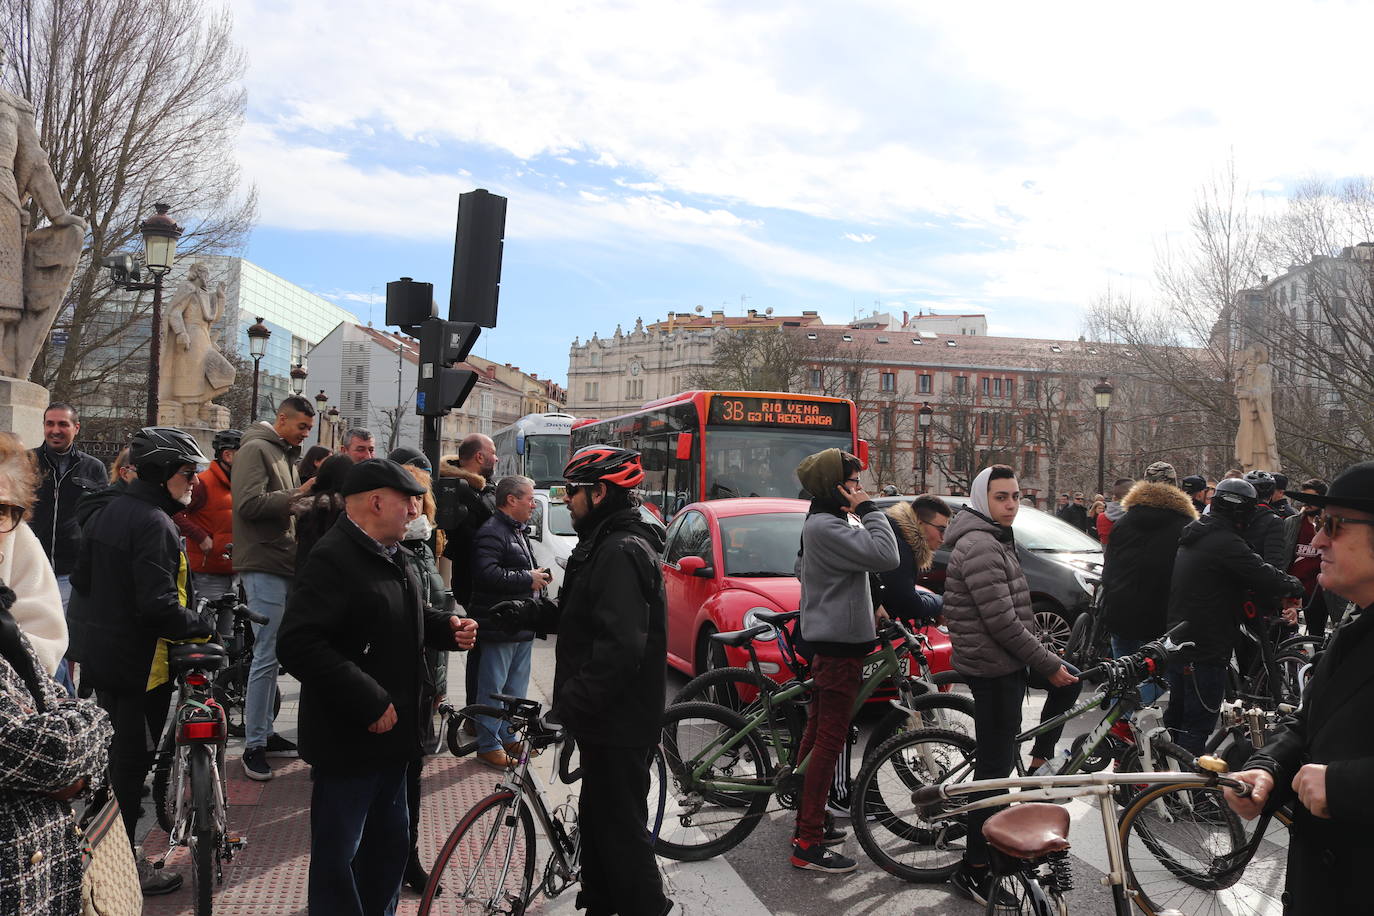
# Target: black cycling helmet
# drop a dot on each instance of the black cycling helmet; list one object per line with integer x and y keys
{"x": 1235, "y": 499}
{"x": 226, "y": 438}
{"x": 620, "y": 467}
{"x": 1263, "y": 482}
{"x": 408, "y": 454}
{"x": 164, "y": 447}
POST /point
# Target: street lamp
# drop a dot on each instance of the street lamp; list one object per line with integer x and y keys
{"x": 924, "y": 414}
{"x": 160, "y": 234}
{"x": 257, "y": 348}
{"x": 321, "y": 399}
{"x": 1102, "y": 394}
{"x": 298, "y": 376}
{"x": 333, "y": 427}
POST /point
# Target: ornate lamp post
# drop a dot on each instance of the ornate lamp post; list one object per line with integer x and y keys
{"x": 258, "y": 333}
{"x": 333, "y": 428}
{"x": 1102, "y": 394}
{"x": 924, "y": 415}
{"x": 321, "y": 400}
{"x": 298, "y": 377}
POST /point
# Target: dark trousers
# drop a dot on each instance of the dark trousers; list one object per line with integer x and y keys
{"x": 1195, "y": 695}
{"x": 137, "y": 719}
{"x": 997, "y": 721}
{"x": 359, "y": 841}
{"x": 474, "y": 659}
{"x": 837, "y": 682}
{"x": 619, "y": 873}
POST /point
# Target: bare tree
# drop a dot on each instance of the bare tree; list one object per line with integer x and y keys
{"x": 391, "y": 419}
{"x": 136, "y": 102}
{"x": 762, "y": 359}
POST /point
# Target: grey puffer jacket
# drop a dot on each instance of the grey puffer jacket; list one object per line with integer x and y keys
{"x": 988, "y": 603}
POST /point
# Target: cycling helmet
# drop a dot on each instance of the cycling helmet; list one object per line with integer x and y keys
{"x": 226, "y": 438}
{"x": 408, "y": 454}
{"x": 1236, "y": 499}
{"x": 605, "y": 464}
{"x": 1263, "y": 482}
{"x": 164, "y": 447}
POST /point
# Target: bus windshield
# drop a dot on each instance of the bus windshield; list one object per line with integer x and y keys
{"x": 754, "y": 462}
{"x": 545, "y": 458}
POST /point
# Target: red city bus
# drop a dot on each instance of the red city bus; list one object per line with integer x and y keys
{"x": 716, "y": 444}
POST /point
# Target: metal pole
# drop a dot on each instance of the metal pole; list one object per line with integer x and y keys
{"x": 925, "y": 455}
{"x": 257, "y": 361}
{"x": 155, "y": 355}
{"x": 1101, "y": 451}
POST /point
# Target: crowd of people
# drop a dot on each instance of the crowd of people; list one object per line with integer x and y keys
{"x": 362, "y": 598}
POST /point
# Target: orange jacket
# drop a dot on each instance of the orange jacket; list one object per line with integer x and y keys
{"x": 210, "y": 514}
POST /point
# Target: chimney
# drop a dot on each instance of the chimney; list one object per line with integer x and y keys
{"x": 906, "y": 317}
{"x": 717, "y": 316}
{"x": 753, "y": 313}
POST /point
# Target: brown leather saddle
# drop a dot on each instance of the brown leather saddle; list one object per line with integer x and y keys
{"x": 1030, "y": 830}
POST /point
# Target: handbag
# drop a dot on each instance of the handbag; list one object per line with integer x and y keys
{"x": 109, "y": 877}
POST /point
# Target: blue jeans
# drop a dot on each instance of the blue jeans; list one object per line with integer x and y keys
{"x": 64, "y": 671}
{"x": 1195, "y": 695}
{"x": 504, "y": 668}
{"x": 1123, "y": 646}
{"x": 266, "y": 596}
{"x": 359, "y": 841}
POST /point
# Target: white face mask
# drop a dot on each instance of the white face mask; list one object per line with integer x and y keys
{"x": 417, "y": 529}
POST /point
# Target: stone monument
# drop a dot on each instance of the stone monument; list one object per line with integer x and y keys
{"x": 193, "y": 371}
{"x": 36, "y": 267}
{"x": 1256, "y": 443}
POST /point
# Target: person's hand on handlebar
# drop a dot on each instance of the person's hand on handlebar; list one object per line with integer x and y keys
{"x": 1261, "y": 784}
{"x": 1063, "y": 677}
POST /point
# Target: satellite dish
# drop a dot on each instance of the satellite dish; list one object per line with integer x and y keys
{"x": 768, "y": 311}
{"x": 698, "y": 310}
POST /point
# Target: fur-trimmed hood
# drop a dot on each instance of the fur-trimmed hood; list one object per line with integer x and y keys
{"x": 449, "y": 467}
{"x": 908, "y": 527}
{"x": 1159, "y": 496}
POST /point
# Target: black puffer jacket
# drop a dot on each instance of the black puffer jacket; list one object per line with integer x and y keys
{"x": 608, "y": 687}
{"x": 501, "y": 564}
{"x": 54, "y": 515}
{"x": 353, "y": 634}
{"x": 1139, "y": 559}
{"x": 476, "y": 503}
{"x": 131, "y": 587}
{"x": 1213, "y": 571}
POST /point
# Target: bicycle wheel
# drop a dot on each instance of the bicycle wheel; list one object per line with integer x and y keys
{"x": 658, "y": 791}
{"x": 1185, "y": 849}
{"x": 163, "y": 804}
{"x": 486, "y": 866}
{"x": 703, "y": 816}
{"x": 1018, "y": 893}
{"x": 741, "y": 690}
{"x": 950, "y": 711}
{"x": 911, "y": 844}
{"x": 204, "y": 838}
{"x": 1088, "y": 643}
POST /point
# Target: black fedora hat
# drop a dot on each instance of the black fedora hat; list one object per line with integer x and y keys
{"x": 1353, "y": 488}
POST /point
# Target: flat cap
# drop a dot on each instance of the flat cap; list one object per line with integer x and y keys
{"x": 377, "y": 473}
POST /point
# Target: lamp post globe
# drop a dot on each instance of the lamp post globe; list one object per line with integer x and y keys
{"x": 298, "y": 377}
{"x": 321, "y": 400}
{"x": 258, "y": 334}
{"x": 160, "y": 234}
{"x": 924, "y": 415}
{"x": 1102, "y": 396}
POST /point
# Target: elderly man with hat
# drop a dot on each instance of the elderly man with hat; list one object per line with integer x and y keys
{"x": 354, "y": 635}
{"x": 1322, "y": 758}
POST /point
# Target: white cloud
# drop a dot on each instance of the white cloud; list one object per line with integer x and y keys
{"x": 862, "y": 239}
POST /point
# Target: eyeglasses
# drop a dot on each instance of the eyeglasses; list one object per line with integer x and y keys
{"x": 851, "y": 480}
{"x": 10, "y": 517}
{"x": 939, "y": 528}
{"x": 1331, "y": 524}
{"x": 189, "y": 473}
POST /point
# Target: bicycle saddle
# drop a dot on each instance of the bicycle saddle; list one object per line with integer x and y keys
{"x": 740, "y": 638}
{"x": 201, "y": 656}
{"x": 777, "y": 618}
{"x": 1029, "y": 831}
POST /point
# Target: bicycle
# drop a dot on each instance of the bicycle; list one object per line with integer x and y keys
{"x": 495, "y": 842}
{"x": 231, "y": 682}
{"x": 1029, "y": 840}
{"x": 929, "y": 850}
{"x": 188, "y": 779}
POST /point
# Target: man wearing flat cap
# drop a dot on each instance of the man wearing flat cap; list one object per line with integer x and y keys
{"x": 1322, "y": 758}
{"x": 354, "y": 635}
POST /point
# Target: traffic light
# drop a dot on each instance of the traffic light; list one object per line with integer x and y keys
{"x": 477, "y": 258}
{"x": 409, "y": 304}
{"x": 122, "y": 267}
{"x": 440, "y": 387}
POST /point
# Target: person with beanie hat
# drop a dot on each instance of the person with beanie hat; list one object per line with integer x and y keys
{"x": 844, "y": 538}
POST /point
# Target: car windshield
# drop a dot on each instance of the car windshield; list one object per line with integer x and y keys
{"x": 1036, "y": 530}
{"x": 761, "y": 462}
{"x": 761, "y": 545}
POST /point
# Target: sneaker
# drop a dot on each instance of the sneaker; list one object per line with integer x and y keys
{"x": 277, "y": 746}
{"x": 978, "y": 884}
{"x": 818, "y": 858}
{"x": 255, "y": 764}
{"x": 154, "y": 882}
{"x": 830, "y": 834}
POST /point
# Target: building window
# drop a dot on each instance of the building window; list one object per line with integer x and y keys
{"x": 885, "y": 419}
{"x": 590, "y": 390}
{"x": 961, "y": 384}
{"x": 982, "y": 424}
{"x": 987, "y": 383}
{"x": 1032, "y": 428}
{"x": 996, "y": 387}
{"x": 1031, "y": 388}
{"x": 889, "y": 381}
{"x": 1029, "y": 463}
{"x": 851, "y": 380}
{"x": 924, "y": 384}
{"x": 1009, "y": 387}
{"x": 814, "y": 378}
{"x": 594, "y": 358}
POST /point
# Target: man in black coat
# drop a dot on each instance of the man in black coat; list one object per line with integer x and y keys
{"x": 1213, "y": 573}
{"x": 608, "y": 686}
{"x": 1322, "y": 759}
{"x": 354, "y": 634}
{"x": 1139, "y": 564}
{"x": 475, "y": 492}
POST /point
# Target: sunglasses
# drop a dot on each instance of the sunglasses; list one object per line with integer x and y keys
{"x": 10, "y": 517}
{"x": 189, "y": 473}
{"x": 1331, "y": 524}
{"x": 573, "y": 489}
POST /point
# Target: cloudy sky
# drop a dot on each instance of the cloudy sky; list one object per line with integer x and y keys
{"x": 1012, "y": 159}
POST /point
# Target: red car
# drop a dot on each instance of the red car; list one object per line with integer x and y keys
{"x": 727, "y": 559}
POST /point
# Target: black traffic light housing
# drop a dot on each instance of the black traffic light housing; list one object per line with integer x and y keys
{"x": 440, "y": 388}
{"x": 123, "y": 268}
{"x": 477, "y": 249}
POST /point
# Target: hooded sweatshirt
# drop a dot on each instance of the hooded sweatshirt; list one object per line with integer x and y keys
{"x": 987, "y": 598}
{"x": 838, "y": 552}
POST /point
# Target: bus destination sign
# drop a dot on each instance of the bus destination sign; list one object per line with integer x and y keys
{"x": 750, "y": 411}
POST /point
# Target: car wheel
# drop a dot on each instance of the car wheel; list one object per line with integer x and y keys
{"x": 1051, "y": 625}
{"x": 710, "y": 654}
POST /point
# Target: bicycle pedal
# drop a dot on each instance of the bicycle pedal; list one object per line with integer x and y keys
{"x": 236, "y": 842}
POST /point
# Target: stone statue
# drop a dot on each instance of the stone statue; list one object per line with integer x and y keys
{"x": 1256, "y": 443}
{"x": 193, "y": 371}
{"x": 36, "y": 267}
